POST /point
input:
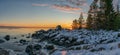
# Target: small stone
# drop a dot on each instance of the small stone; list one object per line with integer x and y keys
{"x": 2, "y": 41}
{"x": 22, "y": 41}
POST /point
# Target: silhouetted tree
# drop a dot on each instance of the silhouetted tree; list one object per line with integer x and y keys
{"x": 92, "y": 15}
{"x": 117, "y": 19}
{"x": 80, "y": 21}
{"x": 103, "y": 17}
{"x": 75, "y": 24}
{"x": 109, "y": 14}
{"x": 117, "y": 22}
{"x": 89, "y": 21}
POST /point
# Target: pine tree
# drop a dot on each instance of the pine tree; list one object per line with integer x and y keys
{"x": 92, "y": 15}
{"x": 89, "y": 21}
{"x": 75, "y": 24}
{"x": 80, "y": 21}
{"x": 117, "y": 19}
{"x": 110, "y": 14}
{"x": 101, "y": 15}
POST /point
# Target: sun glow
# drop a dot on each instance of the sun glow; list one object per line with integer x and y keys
{"x": 67, "y": 25}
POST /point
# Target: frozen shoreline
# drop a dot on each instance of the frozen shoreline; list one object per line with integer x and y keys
{"x": 63, "y": 41}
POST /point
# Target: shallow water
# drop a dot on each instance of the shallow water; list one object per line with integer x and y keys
{"x": 19, "y": 31}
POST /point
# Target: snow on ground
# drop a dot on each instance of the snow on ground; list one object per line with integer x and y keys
{"x": 76, "y": 52}
{"x": 68, "y": 42}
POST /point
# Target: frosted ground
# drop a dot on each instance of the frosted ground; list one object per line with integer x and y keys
{"x": 67, "y": 42}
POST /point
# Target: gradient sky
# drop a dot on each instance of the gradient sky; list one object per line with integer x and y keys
{"x": 41, "y": 13}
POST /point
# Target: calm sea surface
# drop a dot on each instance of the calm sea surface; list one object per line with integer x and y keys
{"x": 19, "y": 31}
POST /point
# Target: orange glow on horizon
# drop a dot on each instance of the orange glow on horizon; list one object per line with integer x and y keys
{"x": 38, "y": 25}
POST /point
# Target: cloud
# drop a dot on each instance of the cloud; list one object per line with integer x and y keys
{"x": 65, "y": 8}
{"x": 40, "y": 5}
{"x": 73, "y": 2}
{"x": 62, "y": 8}
{"x": 71, "y": 6}
{"x": 77, "y": 2}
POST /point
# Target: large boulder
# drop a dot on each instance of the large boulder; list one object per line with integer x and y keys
{"x": 29, "y": 50}
{"x": 58, "y": 28}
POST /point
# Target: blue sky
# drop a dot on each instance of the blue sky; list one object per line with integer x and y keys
{"x": 41, "y": 12}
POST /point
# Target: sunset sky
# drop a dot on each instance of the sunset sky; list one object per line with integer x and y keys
{"x": 41, "y": 13}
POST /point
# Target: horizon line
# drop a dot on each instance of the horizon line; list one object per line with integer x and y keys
{"x": 23, "y": 27}
{"x": 27, "y": 27}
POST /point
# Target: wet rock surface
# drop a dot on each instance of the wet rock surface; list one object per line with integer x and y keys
{"x": 7, "y": 37}
{"x": 2, "y": 41}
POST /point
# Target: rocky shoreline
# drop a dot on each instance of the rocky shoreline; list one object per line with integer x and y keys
{"x": 52, "y": 41}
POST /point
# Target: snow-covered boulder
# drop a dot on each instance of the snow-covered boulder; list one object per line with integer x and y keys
{"x": 29, "y": 50}
{"x": 50, "y": 47}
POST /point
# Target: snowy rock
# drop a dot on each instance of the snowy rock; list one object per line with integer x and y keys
{"x": 34, "y": 49}
{"x": 101, "y": 41}
{"x": 29, "y": 50}
{"x": 86, "y": 47}
{"x": 110, "y": 41}
{"x": 3, "y": 52}
{"x": 37, "y": 47}
{"x": 50, "y": 47}
{"x": 83, "y": 39}
{"x": 53, "y": 35}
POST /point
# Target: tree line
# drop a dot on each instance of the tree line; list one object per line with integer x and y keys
{"x": 101, "y": 15}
